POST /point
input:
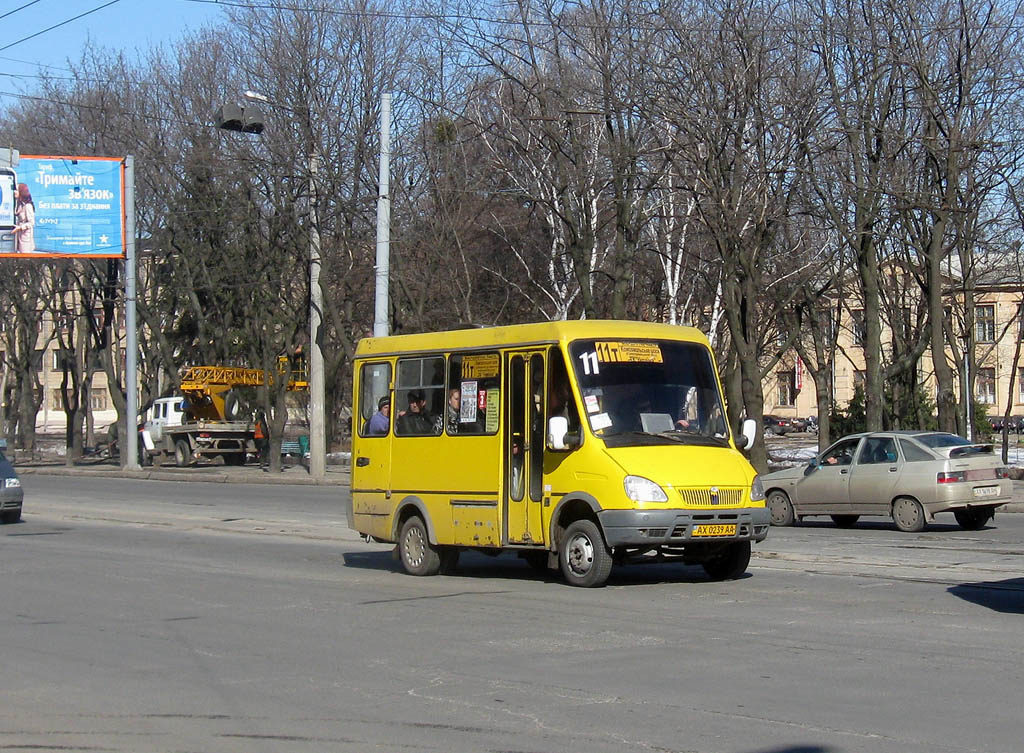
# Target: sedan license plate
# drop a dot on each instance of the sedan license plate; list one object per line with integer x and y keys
{"x": 718, "y": 529}
{"x": 986, "y": 491}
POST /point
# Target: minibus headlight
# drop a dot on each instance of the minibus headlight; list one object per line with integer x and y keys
{"x": 640, "y": 489}
{"x": 756, "y": 490}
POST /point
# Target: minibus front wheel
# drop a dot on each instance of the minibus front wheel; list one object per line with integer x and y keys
{"x": 730, "y": 563}
{"x": 419, "y": 557}
{"x": 583, "y": 555}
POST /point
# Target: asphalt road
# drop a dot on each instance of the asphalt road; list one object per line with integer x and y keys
{"x": 169, "y": 616}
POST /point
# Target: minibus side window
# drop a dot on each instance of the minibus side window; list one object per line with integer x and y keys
{"x": 473, "y": 394}
{"x": 374, "y": 380}
{"x": 419, "y": 397}
{"x": 560, "y": 400}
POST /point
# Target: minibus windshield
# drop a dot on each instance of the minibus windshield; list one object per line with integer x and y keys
{"x": 649, "y": 392}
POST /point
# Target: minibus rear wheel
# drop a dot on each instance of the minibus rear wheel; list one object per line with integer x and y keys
{"x": 730, "y": 563}
{"x": 583, "y": 555}
{"x": 419, "y": 557}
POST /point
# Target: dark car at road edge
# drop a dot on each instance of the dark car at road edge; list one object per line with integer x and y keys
{"x": 11, "y": 494}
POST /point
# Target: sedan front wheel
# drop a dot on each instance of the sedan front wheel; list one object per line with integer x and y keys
{"x": 780, "y": 509}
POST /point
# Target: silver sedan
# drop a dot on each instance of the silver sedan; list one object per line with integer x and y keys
{"x": 909, "y": 476}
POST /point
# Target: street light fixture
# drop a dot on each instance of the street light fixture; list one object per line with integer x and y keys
{"x": 249, "y": 119}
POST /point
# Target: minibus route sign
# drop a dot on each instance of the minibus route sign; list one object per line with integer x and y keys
{"x": 609, "y": 351}
{"x": 482, "y": 366}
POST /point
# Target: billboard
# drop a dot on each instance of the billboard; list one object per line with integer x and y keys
{"x": 8, "y": 185}
{"x": 68, "y": 207}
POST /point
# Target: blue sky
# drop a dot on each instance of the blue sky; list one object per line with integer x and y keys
{"x": 125, "y": 24}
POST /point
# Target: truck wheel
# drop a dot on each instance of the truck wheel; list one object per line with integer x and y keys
{"x": 233, "y": 408}
{"x": 182, "y": 453}
{"x": 583, "y": 555}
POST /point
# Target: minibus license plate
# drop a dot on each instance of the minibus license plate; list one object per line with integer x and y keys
{"x": 715, "y": 530}
{"x": 986, "y": 491}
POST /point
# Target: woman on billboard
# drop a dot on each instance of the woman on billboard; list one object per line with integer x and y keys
{"x": 25, "y": 214}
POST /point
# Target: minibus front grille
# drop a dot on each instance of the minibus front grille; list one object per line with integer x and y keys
{"x": 711, "y": 497}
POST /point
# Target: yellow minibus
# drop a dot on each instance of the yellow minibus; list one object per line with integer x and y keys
{"x": 574, "y": 444}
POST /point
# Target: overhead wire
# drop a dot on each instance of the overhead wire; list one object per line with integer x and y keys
{"x": 58, "y": 25}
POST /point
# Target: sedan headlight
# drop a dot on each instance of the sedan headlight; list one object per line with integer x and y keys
{"x": 640, "y": 489}
{"x": 12, "y": 483}
{"x": 756, "y": 490}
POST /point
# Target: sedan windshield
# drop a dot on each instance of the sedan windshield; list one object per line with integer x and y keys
{"x": 649, "y": 392}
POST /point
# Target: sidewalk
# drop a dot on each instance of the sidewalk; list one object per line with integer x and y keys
{"x": 336, "y": 475}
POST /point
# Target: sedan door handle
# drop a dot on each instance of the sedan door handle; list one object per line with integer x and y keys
{"x": 843, "y": 472}
{"x": 894, "y": 469}
{"x": 362, "y": 462}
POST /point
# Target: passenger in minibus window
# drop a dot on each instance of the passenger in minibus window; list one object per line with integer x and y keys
{"x": 380, "y": 420}
{"x": 416, "y": 419}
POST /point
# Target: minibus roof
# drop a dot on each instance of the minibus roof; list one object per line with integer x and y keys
{"x": 515, "y": 335}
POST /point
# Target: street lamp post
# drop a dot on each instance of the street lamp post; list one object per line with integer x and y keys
{"x": 250, "y": 120}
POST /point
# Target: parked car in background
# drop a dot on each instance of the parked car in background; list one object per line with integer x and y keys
{"x": 910, "y": 476}
{"x": 11, "y": 494}
{"x": 776, "y": 425}
{"x": 1015, "y": 424}
{"x": 798, "y": 424}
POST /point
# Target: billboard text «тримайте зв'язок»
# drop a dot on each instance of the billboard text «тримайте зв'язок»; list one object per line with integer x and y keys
{"x": 77, "y": 208}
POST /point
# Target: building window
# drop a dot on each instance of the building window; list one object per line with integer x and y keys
{"x": 61, "y": 359}
{"x": 986, "y": 389}
{"x": 56, "y": 402}
{"x": 1020, "y": 385}
{"x": 787, "y": 387}
{"x": 859, "y": 330}
{"x": 98, "y": 399}
{"x": 985, "y": 324}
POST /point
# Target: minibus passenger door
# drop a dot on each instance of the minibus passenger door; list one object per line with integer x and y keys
{"x": 524, "y": 448}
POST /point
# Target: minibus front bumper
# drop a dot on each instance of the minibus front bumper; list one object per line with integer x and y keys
{"x": 679, "y": 527}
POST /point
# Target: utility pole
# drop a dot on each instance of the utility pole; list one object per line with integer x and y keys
{"x": 383, "y": 269}
{"x": 130, "y": 439}
{"x": 317, "y": 433}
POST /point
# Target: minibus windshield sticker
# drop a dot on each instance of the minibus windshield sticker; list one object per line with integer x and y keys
{"x": 600, "y": 421}
{"x": 591, "y": 402}
{"x": 483, "y": 366}
{"x": 626, "y": 352}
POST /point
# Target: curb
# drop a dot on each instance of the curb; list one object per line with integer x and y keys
{"x": 210, "y": 476}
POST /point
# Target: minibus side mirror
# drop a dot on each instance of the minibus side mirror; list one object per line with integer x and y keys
{"x": 749, "y": 433}
{"x": 559, "y": 436}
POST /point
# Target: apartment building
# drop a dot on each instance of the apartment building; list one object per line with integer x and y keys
{"x": 789, "y": 390}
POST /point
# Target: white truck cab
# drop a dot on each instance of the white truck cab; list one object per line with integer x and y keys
{"x": 165, "y": 412}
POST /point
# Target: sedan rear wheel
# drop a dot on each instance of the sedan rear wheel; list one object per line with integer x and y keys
{"x": 780, "y": 509}
{"x": 908, "y": 515}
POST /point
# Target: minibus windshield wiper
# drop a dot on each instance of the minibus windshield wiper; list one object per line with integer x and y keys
{"x": 627, "y": 438}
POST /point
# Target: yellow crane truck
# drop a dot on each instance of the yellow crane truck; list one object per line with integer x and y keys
{"x": 210, "y": 417}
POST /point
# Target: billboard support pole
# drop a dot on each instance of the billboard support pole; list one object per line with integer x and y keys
{"x": 129, "y": 444}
